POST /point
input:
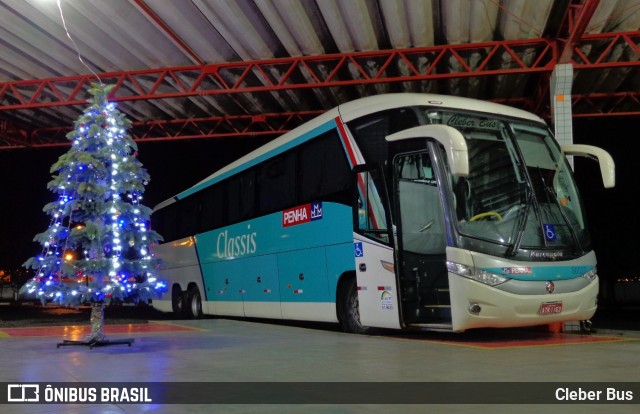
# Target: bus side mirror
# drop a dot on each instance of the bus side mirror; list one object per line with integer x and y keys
{"x": 452, "y": 140}
{"x": 607, "y": 166}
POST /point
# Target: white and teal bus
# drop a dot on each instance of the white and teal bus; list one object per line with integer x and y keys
{"x": 395, "y": 211}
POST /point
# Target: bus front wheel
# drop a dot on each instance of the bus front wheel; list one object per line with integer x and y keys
{"x": 194, "y": 303}
{"x": 350, "y": 318}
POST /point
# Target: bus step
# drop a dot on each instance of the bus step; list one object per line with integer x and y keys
{"x": 434, "y": 313}
{"x": 435, "y": 297}
{"x": 441, "y": 327}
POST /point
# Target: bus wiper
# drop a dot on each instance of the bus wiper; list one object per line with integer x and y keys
{"x": 521, "y": 225}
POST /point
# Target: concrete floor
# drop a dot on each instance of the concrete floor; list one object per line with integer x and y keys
{"x": 222, "y": 350}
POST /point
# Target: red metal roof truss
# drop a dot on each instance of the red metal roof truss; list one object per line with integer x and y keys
{"x": 598, "y": 51}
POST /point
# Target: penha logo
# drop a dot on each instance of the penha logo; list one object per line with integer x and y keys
{"x": 518, "y": 270}
{"x": 302, "y": 214}
{"x": 316, "y": 211}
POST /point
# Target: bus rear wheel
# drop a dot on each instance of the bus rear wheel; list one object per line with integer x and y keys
{"x": 194, "y": 303}
{"x": 178, "y": 302}
{"x": 350, "y": 318}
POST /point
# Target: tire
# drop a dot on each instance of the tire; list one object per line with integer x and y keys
{"x": 350, "y": 309}
{"x": 194, "y": 303}
{"x": 178, "y": 302}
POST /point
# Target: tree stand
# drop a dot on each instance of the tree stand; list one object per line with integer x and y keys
{"x": 96, "y": 337}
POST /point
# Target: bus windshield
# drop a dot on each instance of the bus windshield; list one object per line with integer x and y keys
{"x": 520, "y": 191}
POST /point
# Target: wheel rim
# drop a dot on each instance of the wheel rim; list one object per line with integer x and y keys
{"x": 195, "y": 305}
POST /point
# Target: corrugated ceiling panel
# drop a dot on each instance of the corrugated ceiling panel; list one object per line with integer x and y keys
{"x": 127, "y": 35}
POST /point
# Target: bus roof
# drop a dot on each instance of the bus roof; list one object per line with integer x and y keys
{"x": 363, "y": 106}
{"x": 355, "y": 109}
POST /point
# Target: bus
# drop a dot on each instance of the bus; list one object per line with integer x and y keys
{"x": 399, "y": 211}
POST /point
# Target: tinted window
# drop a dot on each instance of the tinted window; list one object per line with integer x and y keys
{"x": 315, "y": 171}
{"x": 240, "y": 196}
{"x": 212, "y": 214}
{"x": 370, "y": 132}
{"x": 277, "y": 184}
{"x": 324, "y": 171}
{"x": 165, "y": 222}
{"x": 187, "y": 216}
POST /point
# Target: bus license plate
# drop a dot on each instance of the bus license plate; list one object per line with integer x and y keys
{"x": 549, "y": 308}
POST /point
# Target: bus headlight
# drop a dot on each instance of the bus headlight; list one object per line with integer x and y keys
{"x": 590, "y": 275}
{"x": 478, "y": 275}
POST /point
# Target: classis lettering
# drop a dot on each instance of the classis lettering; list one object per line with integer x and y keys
{"x": 240, "y": 245}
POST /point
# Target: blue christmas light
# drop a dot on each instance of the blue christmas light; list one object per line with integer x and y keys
{"x": 101, "y": 137}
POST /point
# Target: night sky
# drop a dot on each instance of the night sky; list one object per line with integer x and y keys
{"x": 612, "y": 214}
{"x": 173, "y": 166}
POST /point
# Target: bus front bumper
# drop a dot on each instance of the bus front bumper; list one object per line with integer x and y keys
{"x": 476, "y": 305}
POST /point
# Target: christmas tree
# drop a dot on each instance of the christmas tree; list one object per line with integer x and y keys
{"x": 97, "y": 247}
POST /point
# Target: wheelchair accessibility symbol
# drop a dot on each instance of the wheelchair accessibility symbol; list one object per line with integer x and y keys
{"x": 358, "y": 249}
{"x": 550, "y": 232}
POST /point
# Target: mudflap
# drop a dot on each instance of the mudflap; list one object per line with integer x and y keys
{"x": 377, "y": 285}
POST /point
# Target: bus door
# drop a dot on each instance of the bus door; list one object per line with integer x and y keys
{"x": 421, "y": 241}
{"x": 378, "y": 302}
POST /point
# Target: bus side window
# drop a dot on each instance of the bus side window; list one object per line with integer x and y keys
{"x": 421, "y": 212}
{"x": 240, "y": 197}
{"x": 371, "y": 214}
{"x": 276, "y": 184}
{"x": 164, "y": 221}
{"x": 187, "y": 220}
{"x": 212, "y": 214}
{"x": 323, "y": 170}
